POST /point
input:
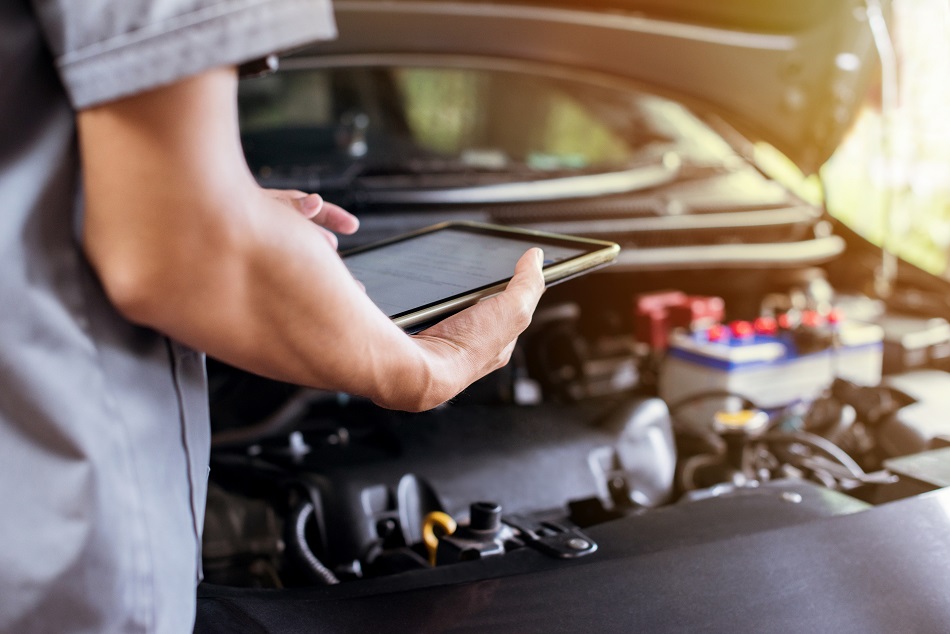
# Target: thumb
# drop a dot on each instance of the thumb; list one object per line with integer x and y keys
{"x": 523, "y": 292}
{"x": 528, "y": 275}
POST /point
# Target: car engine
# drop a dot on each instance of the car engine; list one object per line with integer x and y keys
{"x": 728, "y": 429}
{"x": 611, "y": 408}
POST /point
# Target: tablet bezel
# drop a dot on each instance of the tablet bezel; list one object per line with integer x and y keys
{"x": 598, "y": 253}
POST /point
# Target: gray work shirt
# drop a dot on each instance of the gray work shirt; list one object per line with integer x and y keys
{"x": 103, "y": 425}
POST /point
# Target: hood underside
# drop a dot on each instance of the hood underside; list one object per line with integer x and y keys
{"x": 791, "y": 74}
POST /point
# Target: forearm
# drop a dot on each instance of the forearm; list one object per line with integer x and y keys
{"x": 184, "y": 241}
{"x": 192, "y": 247}
{"x": 274, "y": 298}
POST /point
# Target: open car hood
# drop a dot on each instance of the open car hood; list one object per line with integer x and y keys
{"x": 793, "y": 74}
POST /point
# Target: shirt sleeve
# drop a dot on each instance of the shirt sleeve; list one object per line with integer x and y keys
{"x": 107, "y": 49}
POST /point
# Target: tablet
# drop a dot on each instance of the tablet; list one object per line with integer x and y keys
{"x": 421, "y": 277}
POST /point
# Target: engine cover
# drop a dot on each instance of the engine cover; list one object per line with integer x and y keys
{"x": 375, "y": 492}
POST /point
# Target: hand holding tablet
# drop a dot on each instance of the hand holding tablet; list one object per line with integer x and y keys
{"x": 421, "y": 277}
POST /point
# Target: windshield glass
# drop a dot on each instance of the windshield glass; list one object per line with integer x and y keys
{"x": 397, "y": 119}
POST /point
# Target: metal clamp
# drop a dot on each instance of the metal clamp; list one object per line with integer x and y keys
{"x": 551, "y": 538}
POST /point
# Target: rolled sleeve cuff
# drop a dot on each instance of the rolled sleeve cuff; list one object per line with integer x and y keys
{"x": 219, "y": 35}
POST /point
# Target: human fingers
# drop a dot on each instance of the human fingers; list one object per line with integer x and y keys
{"x": 327, "y": 216}
{"x": 329, "y": 236}
{"x": 308, "y": 205}
{"x": 516, "y": 305}
{"x": 480, "y": 339}
{"x": 335, "y": 218}
{"x": 492, "y": 323}
{"x": 528, "y": 277}
{"x": 312, "y": 206}
{"x": 286, "y": 194}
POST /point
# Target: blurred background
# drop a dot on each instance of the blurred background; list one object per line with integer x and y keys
{"x": 901, "y": 157}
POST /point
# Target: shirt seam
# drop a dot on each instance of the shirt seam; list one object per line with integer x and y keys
{"x": 186, "y": 446}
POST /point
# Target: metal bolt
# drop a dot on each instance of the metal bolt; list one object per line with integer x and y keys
{"x": 386, "y": 527}
{"x": 578, "y": 544}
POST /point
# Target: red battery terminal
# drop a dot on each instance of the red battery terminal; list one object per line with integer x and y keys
{"x": 716, "y": 332}
{"x": 765, "y": 325}
{"x": 742, "y": 330}
{"x": 812, "y": 319}
{"x": 789, "y": 320}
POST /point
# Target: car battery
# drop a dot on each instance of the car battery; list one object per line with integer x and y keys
{"x": 767, "y": 364}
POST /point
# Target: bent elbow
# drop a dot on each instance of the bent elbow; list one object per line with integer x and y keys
{"x": 150, "y": 280}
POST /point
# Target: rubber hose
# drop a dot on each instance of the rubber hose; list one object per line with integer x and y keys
{"x": 298, "y": 537}
{"x": 816, "y": 442}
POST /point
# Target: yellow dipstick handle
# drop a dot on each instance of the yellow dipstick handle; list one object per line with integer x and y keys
{"x": 445, "y": 522}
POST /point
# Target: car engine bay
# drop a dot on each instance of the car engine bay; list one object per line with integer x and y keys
{"x": 618, "y": 404}
{"x": 735, "y": 398}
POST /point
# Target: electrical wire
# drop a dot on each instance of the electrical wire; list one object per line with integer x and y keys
{"x": 814, "y": 441}
{"x": 288, "y": 416}
{"x": 298, "y": 538}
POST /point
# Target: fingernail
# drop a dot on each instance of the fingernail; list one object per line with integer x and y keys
{"x": 312, "y": 201}
{"x": 540, "y": 253}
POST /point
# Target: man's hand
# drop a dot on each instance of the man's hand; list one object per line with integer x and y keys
{"x": 332, "y": 219}
{"x": 186, "y": 242}
{"x": 468, "y": 345}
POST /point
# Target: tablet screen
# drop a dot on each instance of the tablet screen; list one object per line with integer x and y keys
{"x": 427, "y": 269}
